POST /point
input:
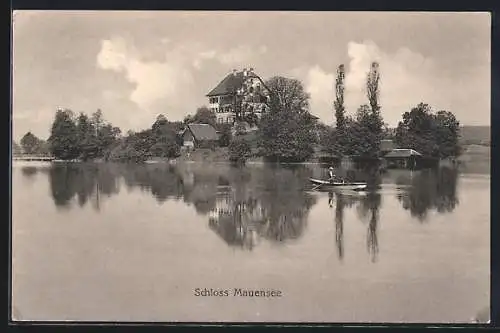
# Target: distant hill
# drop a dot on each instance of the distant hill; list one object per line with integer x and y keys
{"x": 475, "y": 135}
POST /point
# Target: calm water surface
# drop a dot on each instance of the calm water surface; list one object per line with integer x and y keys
{"x": 133, "y": 242}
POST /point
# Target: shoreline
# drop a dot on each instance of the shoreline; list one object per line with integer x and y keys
{"x": 221, "y": 156}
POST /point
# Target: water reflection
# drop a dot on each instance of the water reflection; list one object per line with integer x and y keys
{"x": 245, "y": 205}
{"x": 83, "y": 181}
{"x": 266, "y": 203}
{"x": 29, "y": 171}
{"x": 430, "y": 189}
{"x": 368, "y": 206}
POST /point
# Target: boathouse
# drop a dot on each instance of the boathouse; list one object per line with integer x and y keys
{"x": 402, "y": 158}
{"x": 199, "y": 136}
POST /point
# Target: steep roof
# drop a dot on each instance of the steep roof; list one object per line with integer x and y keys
{"x": 228, "y": 85}
{"x": 203, "y": 132}
{"x": 401, "y": 153}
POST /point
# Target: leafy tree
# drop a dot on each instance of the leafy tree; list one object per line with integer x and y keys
{"x": 326, "y": 137}
{"x": 447, "y": 134}
{"x": 30, "y": 143}
{"x": 203, "y": 115}
{"x": 359, "y": 136}
{"x": 225, "y": 134}
{"x": 43, "y": 148}
{"x": 165, "y": 138}
{"x": 364, "y": 133}
{"x": 374, "y": 123}
{"x": 434, "y": 135}
{"x": 87, "y": 140}
{"x": 287, "y": 95}
{"x": 239, "y": 128}
{"x": 287, "y": 131}
{"x": 338, "y": 141}
{"x": 239, "y": 151}
{"x": 16, "y": 148}
{"x": 372, "y": 87}
{"x": 97, "y": 120}
{"x": 63, "y": 139}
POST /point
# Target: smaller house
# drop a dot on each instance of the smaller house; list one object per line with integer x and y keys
{"x": 199, "y": 136}
{"x": 402, "y": 158}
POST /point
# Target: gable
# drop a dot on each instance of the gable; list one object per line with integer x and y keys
{"x": 202, "y": 132}
{"x": 228, "y": 85}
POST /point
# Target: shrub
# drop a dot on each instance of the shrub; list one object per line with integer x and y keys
{"x": 239, "y": 151}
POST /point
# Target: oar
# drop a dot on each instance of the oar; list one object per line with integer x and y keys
{"x": 315, "y": 187}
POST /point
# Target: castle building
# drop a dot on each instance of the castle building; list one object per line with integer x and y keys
{"x": 239, "y": 94}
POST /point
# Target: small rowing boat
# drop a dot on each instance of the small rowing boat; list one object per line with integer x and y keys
{"x": 356, "y": 186}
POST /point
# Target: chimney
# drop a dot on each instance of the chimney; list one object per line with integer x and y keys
{"x": 234, "y": 72}
{"x": 245, "y": 72}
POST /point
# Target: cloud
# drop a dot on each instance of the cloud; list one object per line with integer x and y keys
{"x": 407, "y": 78}
{"x": 168, "y": 83}
{"x": 153, "y": 80}
{"x": 241, "y": 54}
{"x": 319, "y": 84}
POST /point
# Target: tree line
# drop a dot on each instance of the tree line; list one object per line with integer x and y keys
{"x": 287, "y": 132}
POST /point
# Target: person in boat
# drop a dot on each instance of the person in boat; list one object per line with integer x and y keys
{"x": 332, "y": 176}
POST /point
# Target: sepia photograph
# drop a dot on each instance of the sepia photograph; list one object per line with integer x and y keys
{"x": 250, "y": 167}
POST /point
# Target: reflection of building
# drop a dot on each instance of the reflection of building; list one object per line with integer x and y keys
{"x": 239, "y": 92}
{"x": 238, "y": 223}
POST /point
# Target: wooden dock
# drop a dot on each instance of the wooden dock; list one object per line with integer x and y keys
{"x": 33, "y": 158}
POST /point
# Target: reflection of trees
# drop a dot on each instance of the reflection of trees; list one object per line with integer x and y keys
{"x": 368, "y": 210}
{"x": 161, "y": 181}
{"x": 29, "y": 171}
{"x": 269, "y": 203}
{"x": 368, "y": 207}
{"x": 339, "y": 223}
{"x": 85, "y": 181}
{"x": 243, "y": 204}
{"x": 431, "y": 189}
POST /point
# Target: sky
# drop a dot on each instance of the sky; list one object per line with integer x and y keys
{"x": 137, "y": 65}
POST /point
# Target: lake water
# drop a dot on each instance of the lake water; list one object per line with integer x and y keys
{"x": 134, "y": 242}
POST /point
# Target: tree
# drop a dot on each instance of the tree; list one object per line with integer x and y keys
{"x": 372, "y": 87}
{"x": 164, "y": 136}
{"x": 63, "y": 139}
{"x": 203, "y": 115}
{"x": 30, "y": 143}
{"x": 287, "y": 131}
{"x": 339, "y": 140}
{"x": 87, "y": 140}
{"x": 447, "y": 134}
{"x": 96, "y": 136}
{"x": 287, "y": 95}
{"x": 16, "y": 148}
{"x": 433, "y": 135}
{"x": 374, "y": 123}
{"x": 239, "y": 151}
{"x": 97, "y": 120}
{"x": 225, "y": 134}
